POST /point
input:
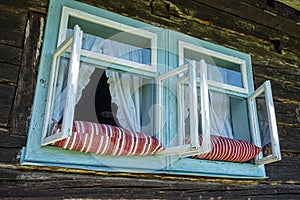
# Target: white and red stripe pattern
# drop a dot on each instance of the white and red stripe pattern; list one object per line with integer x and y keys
{"x": 226, "y": 149}
{"x": 109, "y": 140}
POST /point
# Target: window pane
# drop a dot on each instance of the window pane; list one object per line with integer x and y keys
{"x": 109, "y": 40}
{"x": 177, "y": 110}
{"x": 115, "y": 98}
{"x": 229, "y": 116}
{"x": 60, "y": 94}
{"x": 218, "y": 70}
{"x": 263, "y": 123}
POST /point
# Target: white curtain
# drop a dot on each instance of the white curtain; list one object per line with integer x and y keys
{"x": 219, "y": 105}
{"x": 85, "y": 71}
{"x": 124, "y": 88}
{"x": 220, "y": 120}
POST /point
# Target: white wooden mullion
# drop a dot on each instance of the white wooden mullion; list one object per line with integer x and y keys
{"x": 64, "y": 46}
{"x": 117, "y": 61}
{"x": 67, "y": 12}
{"x": 181, "y": 104}
{"x": 205, "y": 114}
{"x": 72, "y": 82}
{"x": 193, "y": 107}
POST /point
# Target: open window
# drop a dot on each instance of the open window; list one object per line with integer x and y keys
{"x": 104, "y": 34}
{"x": 182, "y": 83}
{"x": 190, "y": 112}
{"x": 232, "y": 114}
{"x": 263, "y": 124}
{"x": 223, "y": 71}
{"x": 62, "y": 63}
{"x": 76, "y": 110}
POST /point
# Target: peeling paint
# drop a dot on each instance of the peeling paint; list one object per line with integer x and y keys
{"x": 40, "y": 40}
{"x": 27, "y": 30}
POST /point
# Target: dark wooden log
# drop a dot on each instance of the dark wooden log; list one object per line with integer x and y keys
{"x": 285, "y": 170}
{"x": 28, "y": 75}
{"x": 260, "y": 16}
{"x": 289, "y": 138}
{"x": 13, "y": 22}
{"x": 9, "y": 155}
{"x": 11, "y": 141}
{"x": 6, "y": 100}
{"x": 9, "y": 54}
{"x": 16, "y": 183}
{"x": 9, "y": 73}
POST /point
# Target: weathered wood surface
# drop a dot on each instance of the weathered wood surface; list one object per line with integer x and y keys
{"x": 6, "y": 99}
{"x": 22, "y": 183}
{"x": 28, "y": 74}
{"x": 267, "y": 31}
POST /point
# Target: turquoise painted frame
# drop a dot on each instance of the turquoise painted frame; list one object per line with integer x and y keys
{"x": 34, "y": 154}
{"x": 205, "y": 167}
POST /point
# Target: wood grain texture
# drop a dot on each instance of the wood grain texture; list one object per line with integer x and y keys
{"x": 37, "y": 184}
{"x": 246, "y": 25}
{"x": 14, "y": 21}
{"x": 28, "y": 75}
{"x": 6, "y": 100}
{"x": 9, "y": 73}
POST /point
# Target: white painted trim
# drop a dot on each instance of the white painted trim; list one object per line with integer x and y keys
{"x": 66, "y": 12}
{"x": 194, "y": 147}
{"x": 159, "y": 95}
{"x": 276, "y": 155}
{"x": 118, "y": 61}
{"x": 75, "y": 40}
{"x": 205, "y": 114}
{"x": 245, "y": 89}
{"x": 194, "y": 132}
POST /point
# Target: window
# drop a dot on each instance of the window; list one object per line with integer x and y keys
{"x": 117, "y": 94}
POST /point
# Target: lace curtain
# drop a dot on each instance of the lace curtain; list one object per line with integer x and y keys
{"x": 124, "y": 88}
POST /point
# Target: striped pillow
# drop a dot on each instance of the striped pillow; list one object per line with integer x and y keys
{"x": 226, "y": 149}
{"x": 108, "y": 140}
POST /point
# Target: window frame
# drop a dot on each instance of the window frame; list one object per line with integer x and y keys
{"x": 34, "y": 154}
{"x": 74, "y": 42}
{"x": 248, "y": 92}
{"x": 276, "y": 155}
{"x": 68, "y": 12}
{"x": 198, "y": 49}
{"x": 194, "y": 147}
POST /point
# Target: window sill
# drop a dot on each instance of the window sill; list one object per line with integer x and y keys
{"x": 57, "y": 157}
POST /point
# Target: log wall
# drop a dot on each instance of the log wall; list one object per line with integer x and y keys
{"x": 268, "y": 30}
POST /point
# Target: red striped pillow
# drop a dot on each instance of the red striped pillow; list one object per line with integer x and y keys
{"x": 108, "y": 140}
{"x": 226, "y": 149}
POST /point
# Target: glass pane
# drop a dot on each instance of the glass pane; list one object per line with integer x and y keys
{"x": 229, "y": 116}
{"x": 177, "y": 110}
{"x": 114, "y": 98}
{"x": 170, "y": 116}
{"x": 218, "y": 70}
{"x": 60, "y": 93}
{"x": 263, "y": 123}
{"x": 107, "y": 40}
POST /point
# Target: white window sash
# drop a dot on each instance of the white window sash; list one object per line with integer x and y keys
{"x": 276, "y": 155}
{"x": 74, "y": 41}
{"x": 194, "y": 147}
{"x": 185, "y": 45}
{"x": 67, "y": 12}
